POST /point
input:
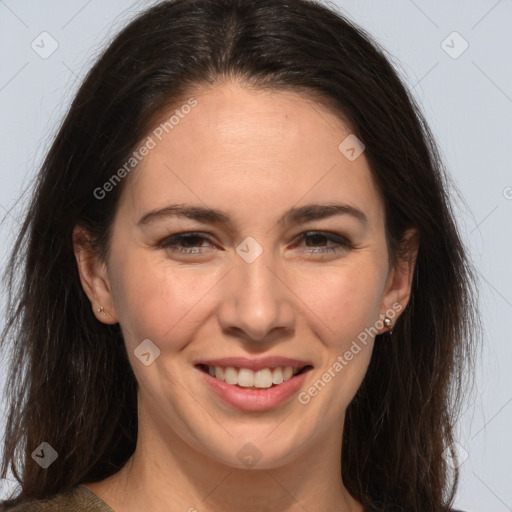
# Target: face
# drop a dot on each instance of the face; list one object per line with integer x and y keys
{"x": 245, "y": 232}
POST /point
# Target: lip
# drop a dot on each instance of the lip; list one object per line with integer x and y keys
{"x": 255, "y": 364}
{"x": 248, "y": 399}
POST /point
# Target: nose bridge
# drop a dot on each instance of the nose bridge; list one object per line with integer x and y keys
{"x": 257, "y": 302}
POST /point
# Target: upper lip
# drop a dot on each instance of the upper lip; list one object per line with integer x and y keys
{"x": 255, "y": 364}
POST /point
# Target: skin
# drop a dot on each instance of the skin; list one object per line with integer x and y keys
{"x": 254, "y": 155}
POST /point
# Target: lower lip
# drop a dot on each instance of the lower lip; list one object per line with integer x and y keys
{"x": 255, "y": 400}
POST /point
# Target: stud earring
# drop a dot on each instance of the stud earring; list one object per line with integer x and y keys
{"x": 388, "y": 323}
{"x": 100, "y": 310}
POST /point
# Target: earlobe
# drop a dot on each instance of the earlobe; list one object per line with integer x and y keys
{"x": 93, "y": 276}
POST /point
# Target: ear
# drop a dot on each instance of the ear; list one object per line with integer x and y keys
{"x": 399, "y": 282}
{"x": 93, "y": 276}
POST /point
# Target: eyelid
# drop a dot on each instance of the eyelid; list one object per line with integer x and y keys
{"x": 176, "y": 237}
{"x": 330, "y": 235}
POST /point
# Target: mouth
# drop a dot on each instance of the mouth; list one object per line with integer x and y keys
{"x": 249, "y": 379}
{"x": 254, "y": 384}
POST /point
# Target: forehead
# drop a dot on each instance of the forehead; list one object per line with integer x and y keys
{"x": 241, "y": 148}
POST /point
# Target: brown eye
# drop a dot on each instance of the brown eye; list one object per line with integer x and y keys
{"x": 321, "y": 242}
{"x": 187, "y": 243}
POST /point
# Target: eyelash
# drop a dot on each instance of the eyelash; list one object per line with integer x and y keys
{"x": 169, "y": 243}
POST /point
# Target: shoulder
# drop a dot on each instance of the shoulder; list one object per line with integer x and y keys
{"x": 78, "y": 499}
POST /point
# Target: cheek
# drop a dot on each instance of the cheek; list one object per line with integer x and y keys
{"x": 346, "y": 299}
{"x": 158, "y": 301}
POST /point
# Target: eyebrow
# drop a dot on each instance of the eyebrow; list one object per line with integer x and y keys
{"x": 293, "y": 216}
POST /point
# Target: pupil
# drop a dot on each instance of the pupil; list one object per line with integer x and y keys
{"x": 189, "y": 240}
{"x": 317, "y": 239}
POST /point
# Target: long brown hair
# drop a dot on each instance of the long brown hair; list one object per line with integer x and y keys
{"x": 70, "y": 382}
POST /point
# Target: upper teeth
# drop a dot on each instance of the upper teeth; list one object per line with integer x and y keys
{"x": 247, "y": 378}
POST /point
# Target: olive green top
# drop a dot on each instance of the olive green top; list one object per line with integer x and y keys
{"x": 77, "y": 499}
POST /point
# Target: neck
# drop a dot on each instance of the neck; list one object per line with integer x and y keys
{"x": 165, "y": 473}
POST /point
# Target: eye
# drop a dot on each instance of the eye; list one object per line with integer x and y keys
{"x": 316, "y": 242}
{"x": 323, "y": 242}
{"x": 187, "y": 243}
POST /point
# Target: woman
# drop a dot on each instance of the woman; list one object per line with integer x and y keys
{"x": 243, "y": 287}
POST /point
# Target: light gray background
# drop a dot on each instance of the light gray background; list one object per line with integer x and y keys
{"x": 467, "y": 101}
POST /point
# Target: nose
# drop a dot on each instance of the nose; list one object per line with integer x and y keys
{"x": 258, "y": 303}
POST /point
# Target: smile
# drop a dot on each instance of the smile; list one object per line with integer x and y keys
{"x": 246, "y": 378}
